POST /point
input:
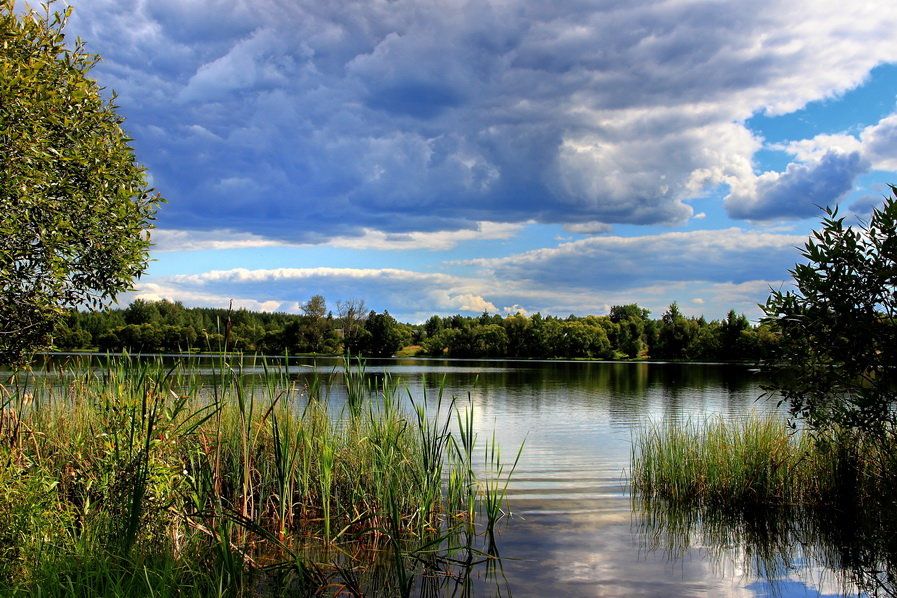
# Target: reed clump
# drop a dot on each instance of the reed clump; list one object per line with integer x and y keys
{"x": 774, "y": 494}
{"x": 762, "y": 461}
{"x": 141, "y": 478}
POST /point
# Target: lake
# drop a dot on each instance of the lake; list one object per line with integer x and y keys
{"x": 573, "y": 530}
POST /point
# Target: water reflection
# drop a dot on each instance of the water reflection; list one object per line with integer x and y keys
{"x": 454, "y": 565}
{"x": 847, "y": 548}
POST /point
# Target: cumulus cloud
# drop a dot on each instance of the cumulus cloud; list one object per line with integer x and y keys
{"x": 588, "y": 228}
{"x": 800, "y": 190}
{"x": 824, "y": 170}
{"x": 432, "y": 241}
{"x": 879, "y": 143}
{"x": 402, "y": 292}
{"x": 860, "y": 209}
{"x": 304, "y": 121}
{"x": 470, "y": 302}
{"x": 192, "y": 240}
{"x": 156, "y": 291}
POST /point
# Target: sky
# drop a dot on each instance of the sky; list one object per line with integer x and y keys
{"x": 442, "y": 156}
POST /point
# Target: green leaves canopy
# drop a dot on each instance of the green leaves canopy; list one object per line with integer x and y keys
{"x": 74, "y": 205}
{"x": 838, "y": 328}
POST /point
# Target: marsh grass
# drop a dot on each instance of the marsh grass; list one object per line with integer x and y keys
{"x": 778, "y": 497}
{"x": 140, "y": 478}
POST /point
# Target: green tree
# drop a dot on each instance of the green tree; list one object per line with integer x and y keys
{"x": 315, "y": 308}
{"x": 386, "y": 335}
{"x": 678, "y": 336}
{"x": 142, "y": 312}
{"x": 837, "y": 329}
{"x": 315, "y": 325}
{"x": 74, "y": 205}
{"x": 631, "y": 321}
{"x": 516, "y": 328}
{"x": 433, "y": 326}
{"x": 619, "y": 313}
{"x": 489, "y": 340}
{"x": 730, "y": 334}
{"x": 439, "y": 343}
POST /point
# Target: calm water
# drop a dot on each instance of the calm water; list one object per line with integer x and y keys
{"x": 573, "y": 531}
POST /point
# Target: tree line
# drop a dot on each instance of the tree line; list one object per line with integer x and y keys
{"x": 167, "y": 326}
{"x": 627, "y": 332}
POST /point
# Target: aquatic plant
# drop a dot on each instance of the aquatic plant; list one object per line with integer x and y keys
{"x": 141, "y": 478}
{"x": 777, "y": 495}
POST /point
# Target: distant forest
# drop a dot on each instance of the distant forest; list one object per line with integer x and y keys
{"x": 627, "y": 332}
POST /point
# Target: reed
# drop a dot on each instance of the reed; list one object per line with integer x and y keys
{"x": 138, "y": 477}
{"x": 774, "y": 494}
{"x": 762, "y": 461}
{"x": 758, "y": 461}
{"x": 495, "y": 488}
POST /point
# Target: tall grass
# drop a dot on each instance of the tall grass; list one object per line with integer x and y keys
{"x": 145, "y": 479}
{"x": 757, "y": 462}
{"x": 761, "y": 462}
{"x": 777, "y": 494}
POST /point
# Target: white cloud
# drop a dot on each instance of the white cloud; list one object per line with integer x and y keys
{"x": 813, "y": 150}
{"x": 150, "y": 291}
{"x": 262, "y": 60}
{"x": 193, "y": 240}
{"x": 824, "y": 171}
{"x": 433, "y": 241}
{"x": 879, "y": 143}
{"x": 402, "y": 292}
{"x": 588, "y": 228}
{"x": 799, "y": 190}
{"x": 473, "y": 303}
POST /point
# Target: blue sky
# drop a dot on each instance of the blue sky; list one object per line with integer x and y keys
{"x": 460, "y": 156}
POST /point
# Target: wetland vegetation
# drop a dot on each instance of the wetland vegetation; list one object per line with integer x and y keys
{"x": 141, "y": 477}
{"x": 144, "y": 478}
{"x": 777, "y": 495}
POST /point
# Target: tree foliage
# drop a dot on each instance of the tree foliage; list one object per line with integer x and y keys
{"x": 384, "y": 335}
{"x": 838, "y": 333}
{"x": 74, "y": 205}
{"x": 169, "y": 326}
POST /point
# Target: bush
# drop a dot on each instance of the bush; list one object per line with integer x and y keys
{"x": 835, "y": 361}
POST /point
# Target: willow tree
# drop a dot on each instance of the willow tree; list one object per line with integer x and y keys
{"x": 74, "y": 204}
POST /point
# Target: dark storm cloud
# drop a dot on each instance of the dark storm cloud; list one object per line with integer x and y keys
{"x": 303, "y": 120}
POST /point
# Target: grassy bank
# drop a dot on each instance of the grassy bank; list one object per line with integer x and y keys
{"x": 144, "y": 479}
{"x": 775, "y": 496}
